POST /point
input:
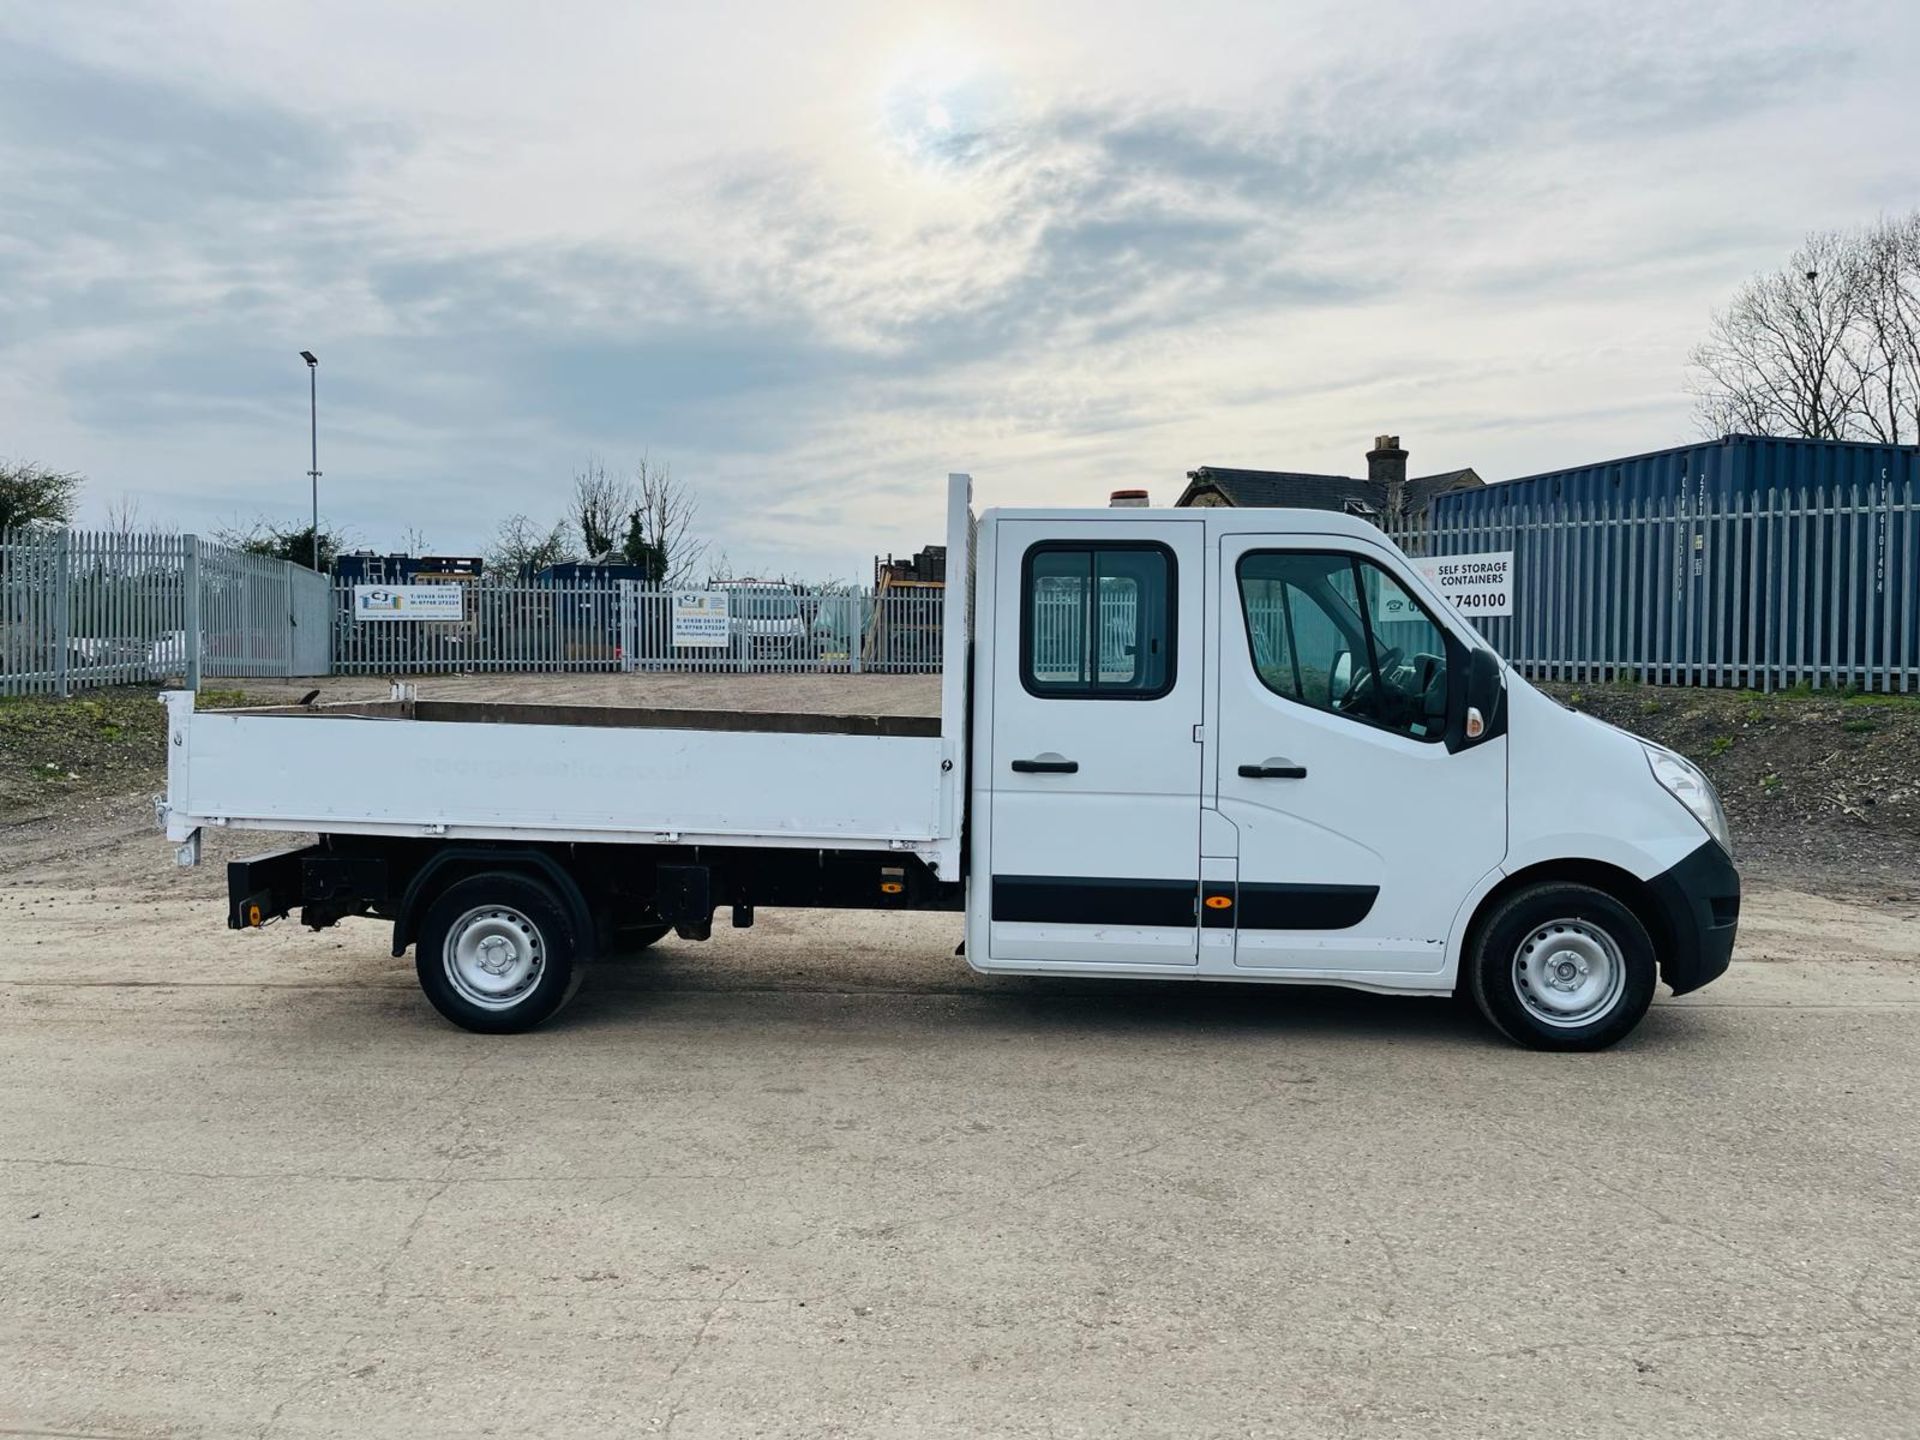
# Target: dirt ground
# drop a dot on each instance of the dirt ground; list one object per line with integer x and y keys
{"x": 1822, "y": 790}
{"x": 817, "y": 1178}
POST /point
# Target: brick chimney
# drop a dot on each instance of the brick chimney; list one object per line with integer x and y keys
{"x": 1387, "y": 466}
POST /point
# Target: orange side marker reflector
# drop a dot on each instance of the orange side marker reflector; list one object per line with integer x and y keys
{"x": 891, "y": 887}
{"x": 1219, "y": 902}
{"x": 253, "y": 916}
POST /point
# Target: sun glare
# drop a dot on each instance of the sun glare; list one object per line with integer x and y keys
{"x": 940, "y": 104}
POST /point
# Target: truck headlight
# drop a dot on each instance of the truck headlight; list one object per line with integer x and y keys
{"x": 1683, "y": 780}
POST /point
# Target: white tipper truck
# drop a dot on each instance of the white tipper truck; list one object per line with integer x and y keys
{"x": 1209, "y": 744}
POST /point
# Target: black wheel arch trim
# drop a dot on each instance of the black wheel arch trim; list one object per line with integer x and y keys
{"x": 480, "y": 860}
{"x": 1691, "y": 910}
{"x": 1699, "y": 904}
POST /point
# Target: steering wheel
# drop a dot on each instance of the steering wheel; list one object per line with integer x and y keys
{"x": 1368, "y": 680}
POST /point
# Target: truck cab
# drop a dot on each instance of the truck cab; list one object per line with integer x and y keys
{"x": 1256, "y": 745}
{"x": 1236, "y": 745}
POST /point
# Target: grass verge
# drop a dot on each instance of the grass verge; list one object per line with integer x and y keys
{"x": 105, "y": 741}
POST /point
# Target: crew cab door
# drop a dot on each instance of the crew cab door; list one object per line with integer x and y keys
{"x": 1363, "y": 824}
{"x": 1094, "y": 773}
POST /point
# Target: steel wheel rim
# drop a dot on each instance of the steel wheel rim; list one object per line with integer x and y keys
{"x": 494, "y": 956}
{"x": 1568, "y": 973}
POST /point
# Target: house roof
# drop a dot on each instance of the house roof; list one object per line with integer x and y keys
{"x": 1303, "y": 490}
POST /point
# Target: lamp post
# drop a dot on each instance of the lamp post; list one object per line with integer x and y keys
{"x": 313, "y": 422}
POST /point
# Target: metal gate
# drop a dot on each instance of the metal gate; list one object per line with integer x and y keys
{"x": 80, "y": 609}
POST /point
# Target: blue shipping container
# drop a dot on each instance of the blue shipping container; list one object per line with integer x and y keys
{"x": 1744, "y": 560}
{"x": 1712, "y": 470}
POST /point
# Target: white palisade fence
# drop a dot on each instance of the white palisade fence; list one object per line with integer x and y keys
{"x": 1764, "y": 591}
{"x": 577, "y": 625}
{"x": 80, "y": 609}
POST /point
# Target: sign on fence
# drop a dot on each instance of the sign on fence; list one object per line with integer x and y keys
{"x": 1479, "y": 584}
{"x": 700, "y": 619}
{"x": 409, "y": 602}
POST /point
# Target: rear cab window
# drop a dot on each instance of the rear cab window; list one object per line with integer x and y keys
{"x": 1097, "y": 620}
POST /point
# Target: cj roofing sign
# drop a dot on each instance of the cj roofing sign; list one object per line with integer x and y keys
{"x": 1479, "y": 584}
{"x": 700, "y": 618}
{"x": 409, "y": 602}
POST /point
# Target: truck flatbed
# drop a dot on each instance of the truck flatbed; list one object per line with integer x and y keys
{"x": 545, "y": 774}
{"x": 460, "y": 769}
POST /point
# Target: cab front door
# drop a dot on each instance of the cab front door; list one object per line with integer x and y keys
{"x": 1361, "y": 827}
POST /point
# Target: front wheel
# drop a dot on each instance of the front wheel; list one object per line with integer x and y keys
{"x": 1559, "y": 966}
{"x": 497, "y": 954}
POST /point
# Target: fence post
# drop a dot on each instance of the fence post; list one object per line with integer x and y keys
{"x": 627, "y": 605}
{"x": 62, "y": 607}
{"x": 190, "y": 608}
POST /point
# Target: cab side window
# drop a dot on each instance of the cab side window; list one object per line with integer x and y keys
{"x": 1341, "y": 634}
{"x": 1097, "y": 621}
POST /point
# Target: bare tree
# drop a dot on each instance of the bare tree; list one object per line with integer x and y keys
{"x": 1774, "y": 362}
{"x": 1885, "y": 353}
{"x": 123, "y": 518}
{"x": 521, "y": 547}
{"x": 660, "y": 525}
{"x": 413, "y": 541}
{"x": 646, "y": 518}
{"x": 1827, "y": 347}
{"x": 601, "y": 507}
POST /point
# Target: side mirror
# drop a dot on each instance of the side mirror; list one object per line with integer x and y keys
{"x": 1340, "y": 677}
{"x": 1481, "y": 712}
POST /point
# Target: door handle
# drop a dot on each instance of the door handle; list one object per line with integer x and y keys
{"x": 1047, "y": 765}
{"x": 1274, "y": 770}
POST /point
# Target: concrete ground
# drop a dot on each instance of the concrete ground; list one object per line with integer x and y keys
{"x": 816, "y": 1178}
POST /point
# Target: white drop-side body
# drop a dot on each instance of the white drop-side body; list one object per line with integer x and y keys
{"x": 542, "y": 783}
{"x": 1157, "y": 796}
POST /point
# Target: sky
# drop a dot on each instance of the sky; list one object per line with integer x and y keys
{"x": 814, "y": 257}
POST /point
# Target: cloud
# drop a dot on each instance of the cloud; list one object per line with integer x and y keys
{"x": 109, "y": 147}
{"x": 1039, "y": 269}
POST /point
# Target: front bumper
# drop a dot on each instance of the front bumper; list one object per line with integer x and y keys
{"x": 1699, "y": 903}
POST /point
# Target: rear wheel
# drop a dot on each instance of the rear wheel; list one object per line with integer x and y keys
{"x": 1559, "y": 966}
{"x": 497, "y": 954}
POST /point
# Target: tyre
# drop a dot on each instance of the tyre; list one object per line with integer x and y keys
{"x": 1559, "y": 966}
{"x": 497, "y": 954}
